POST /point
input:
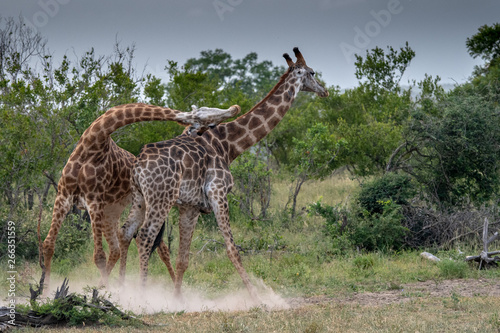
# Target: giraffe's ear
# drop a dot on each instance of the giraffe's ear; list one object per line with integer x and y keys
{"x": 298, "y": 55}
{"x": 289, "y": 60}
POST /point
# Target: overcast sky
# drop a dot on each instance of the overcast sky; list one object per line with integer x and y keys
{"x": 328, "y": 32}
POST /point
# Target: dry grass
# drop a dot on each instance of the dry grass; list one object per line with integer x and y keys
{"x": 417, "y": 314}
{"x": 333, "y": 190}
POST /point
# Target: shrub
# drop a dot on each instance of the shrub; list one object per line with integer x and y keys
{"x": 360, "y": 228}
{"x": 398, "y": 188}
{"x": 252, "y": 183}
{"x": 379, "y": 231}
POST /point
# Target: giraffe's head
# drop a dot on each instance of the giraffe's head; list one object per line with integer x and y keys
{"x": 304, "y": 74}
{"x": 201, "y": 119}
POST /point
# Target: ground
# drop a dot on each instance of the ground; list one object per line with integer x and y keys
{"x": 434, "y": 289}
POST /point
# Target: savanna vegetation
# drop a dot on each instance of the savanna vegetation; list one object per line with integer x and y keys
{"x": 338, "y": 199}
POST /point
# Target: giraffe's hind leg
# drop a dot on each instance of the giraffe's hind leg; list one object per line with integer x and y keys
{"x": 164, "y": 253}
{"x": 127, "y": 231}
{"x": 154, "y": 219}
{"x": 62, "y": 206}
{"x": 187, "y": 221}
{"x": 112, "y": 215}
{"x": 96, "y": 213}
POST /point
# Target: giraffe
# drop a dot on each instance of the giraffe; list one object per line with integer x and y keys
{"x": 193, "y": 174}
{"x": 97, "y": 176}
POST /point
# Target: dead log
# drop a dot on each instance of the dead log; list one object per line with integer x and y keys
{"x": 485, "y": 258}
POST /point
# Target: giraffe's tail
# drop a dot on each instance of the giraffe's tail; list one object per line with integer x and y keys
{"x": 158, "y": 239}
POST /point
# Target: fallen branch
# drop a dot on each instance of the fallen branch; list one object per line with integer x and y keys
{"x": 62, "y": 311}
{"x": 485, "y": 258}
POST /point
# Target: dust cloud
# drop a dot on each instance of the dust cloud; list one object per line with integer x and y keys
{"x": 159, "y": 297}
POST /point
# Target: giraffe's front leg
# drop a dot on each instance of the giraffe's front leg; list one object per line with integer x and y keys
{"x": 112, "y": 214}
{"x": 96, "y": 213}
{"x": 154, "y": 219}
{"x": 62, "y": 205}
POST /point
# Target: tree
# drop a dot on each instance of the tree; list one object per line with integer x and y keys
{"x": 485, "y": 43}
{"x": 253, "y": 78}
{"x": 45, "y": 108}
{"x": 384, "y": 70}
{"x": 252, "y": 182}
{"x": 457, "y": 158}
{"x": 313, "y": 157}
{"x": 371, "y": 116}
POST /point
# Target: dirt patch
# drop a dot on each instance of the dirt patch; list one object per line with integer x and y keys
{"x": 446, "y": 288}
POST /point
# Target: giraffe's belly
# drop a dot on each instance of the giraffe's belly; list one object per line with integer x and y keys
{"x": 192, "y": 194}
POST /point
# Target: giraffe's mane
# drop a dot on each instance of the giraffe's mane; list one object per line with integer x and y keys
{"x": 262, "y": 101}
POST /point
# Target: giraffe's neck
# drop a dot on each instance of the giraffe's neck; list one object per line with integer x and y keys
{"x": 100, "y": 130}
{"x": 247, "y": 130}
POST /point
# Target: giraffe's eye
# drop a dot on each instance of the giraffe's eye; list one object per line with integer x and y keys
{"x": 312, "y": 73}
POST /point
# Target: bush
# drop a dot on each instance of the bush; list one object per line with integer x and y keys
{"x": 252, "y": 183}
{"x": 397, "y": 188}
{"x": 360, "y": 228}
{"x": 443, "y": 228}
{"x": 379, "y": 231}
{"x": 461, "y": 144}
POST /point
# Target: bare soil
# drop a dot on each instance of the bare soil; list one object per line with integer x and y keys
{"x": 435, "y": 289}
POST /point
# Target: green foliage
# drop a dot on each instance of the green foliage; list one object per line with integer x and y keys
{"x": 431, "y": 95}
{"x": 393, "y": 187}
{"x": 384, "y": 70}
{"x": 254, "y": 79}
{"x": 485, "y": 43}
{"x": 371, "y": 117}
{"x": 382, "y": 231}
{"x": 313, "y": 157}
{"x": 365, "y": 261}
{"x": 370, "y": 145}
{"x": 459, "y": 154}
{"x": 378, "y": 231}
{"x": 453, "y": 269}
{"x": 305, "y": 110}
{"x": 334, "y": 217}
{"x": 73, "y": 237}
{"x": 252, "y": 178}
